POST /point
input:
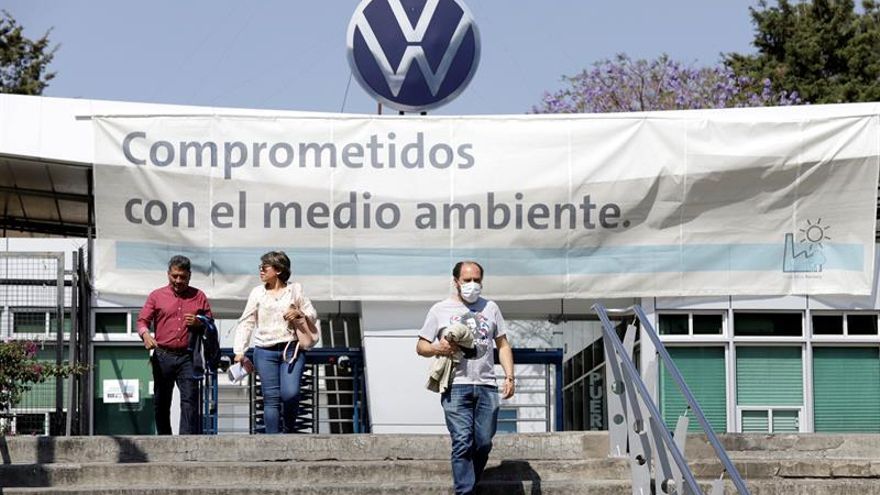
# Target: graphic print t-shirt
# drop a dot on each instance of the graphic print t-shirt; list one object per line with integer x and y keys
{"x": 486, "y": 323}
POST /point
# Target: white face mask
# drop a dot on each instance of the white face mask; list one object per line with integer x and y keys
{"x": 470, "y": 291}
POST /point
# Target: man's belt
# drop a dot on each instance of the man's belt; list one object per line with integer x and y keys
{"x": 177, "y": 351}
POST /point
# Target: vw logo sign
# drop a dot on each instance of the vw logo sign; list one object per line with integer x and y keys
{"x": 413, "y": 55}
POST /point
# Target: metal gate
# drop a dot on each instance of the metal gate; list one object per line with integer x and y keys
{"x": 40, "y": 302}
{"x": 333, "y": 396}
{"x": 333, "y": 388}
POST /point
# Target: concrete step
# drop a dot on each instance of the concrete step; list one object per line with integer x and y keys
{"x": 231, "y": 448}
{"x": 801, "y": 445}
{"x": 310, "y": 472}
{"x": 536, "y": 446}
{"x": 305, "y": 473}
{"x": 297, "y": 473}
{"x": 590, "y": 487}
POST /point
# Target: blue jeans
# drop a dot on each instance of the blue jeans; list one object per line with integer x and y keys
{"x": 471, "y": 416}
{"x": 280, "y": 383}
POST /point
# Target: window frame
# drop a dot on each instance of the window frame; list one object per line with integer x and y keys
{"x": 691, "y": 336}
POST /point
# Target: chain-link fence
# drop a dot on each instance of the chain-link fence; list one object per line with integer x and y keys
{"x": 34, "y": 291}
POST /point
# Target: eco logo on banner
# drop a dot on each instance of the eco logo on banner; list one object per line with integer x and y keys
{"x": 413, "y": 57}
{"x": 664, "y": 204}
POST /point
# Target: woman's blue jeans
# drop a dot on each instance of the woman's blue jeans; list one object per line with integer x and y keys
{"x": 280, "y": 382}
{"x": 472, "y": 417}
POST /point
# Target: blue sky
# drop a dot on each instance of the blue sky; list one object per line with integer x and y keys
{"x": 290, "y": 55}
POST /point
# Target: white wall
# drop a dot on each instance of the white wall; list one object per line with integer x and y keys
{"x": 396, "y": 375}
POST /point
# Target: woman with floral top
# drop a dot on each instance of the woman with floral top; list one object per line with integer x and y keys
{"x": 283, "y": 323}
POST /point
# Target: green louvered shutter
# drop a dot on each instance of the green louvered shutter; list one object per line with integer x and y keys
{"x": 703, "y": 371}
{"x": 769, "y": 376}
{"x": 785, "y": 421}
{"x": 755, "y": 422}
{"x": 846, "y": 389}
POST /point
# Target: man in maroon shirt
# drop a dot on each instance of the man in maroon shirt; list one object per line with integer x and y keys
{"x": 173, "y": 309}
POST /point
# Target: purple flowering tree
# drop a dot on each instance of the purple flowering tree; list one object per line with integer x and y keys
{"x": 626, "y": 85}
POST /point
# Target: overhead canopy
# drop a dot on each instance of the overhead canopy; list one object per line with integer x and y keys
{"x": 45, "y": 198}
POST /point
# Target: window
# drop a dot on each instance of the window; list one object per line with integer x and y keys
{"x": 111, "y": 323}
{"x": 770, "y": 420}
{"x": 767, "y": 324}
{"x": 708, "y": 324}
{"x": 691, "y": 324}
{"x": 28, "y": 321}
{"x": 31, "y": 424}
{"x": 66, "y": 324}
{"x": 824, "y": 324}
{"x": 861, "y": 324}
{"x": 674, "y": 325}
{"x": 38, "y": 320}
{"x": 857, "y": 324}
{"x": 507, "y": 420}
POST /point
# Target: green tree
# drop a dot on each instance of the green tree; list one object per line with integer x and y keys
{"x": 23, "y": 62}
{"x": 828, "y": 51}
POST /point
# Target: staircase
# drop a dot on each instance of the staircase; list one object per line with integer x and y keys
{"x": 545, "y": 463}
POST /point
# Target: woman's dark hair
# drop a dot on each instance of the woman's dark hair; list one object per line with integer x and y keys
{"x": 279, "y": 261}
{"x": 456, "y": 270}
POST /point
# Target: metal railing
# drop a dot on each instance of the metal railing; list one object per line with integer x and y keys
{"x": 547, "y": 385}
{"x": 333, "y": 395}
{"x": 636, "y": 426}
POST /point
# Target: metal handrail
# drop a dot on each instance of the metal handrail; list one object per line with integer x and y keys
{"x": 655, "y": 415}
{"x": 630, "y": 369}
{"x": 735, "y": 477}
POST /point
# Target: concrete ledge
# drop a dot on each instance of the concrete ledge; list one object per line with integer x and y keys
{"x": 231, "y": 448}
{"x": 594, "y": 487}
{"x": 298, "y": 473}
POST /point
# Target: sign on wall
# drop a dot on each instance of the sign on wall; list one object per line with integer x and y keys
{"x": 121, "y": 391}
{"x": 413, "y": 55}
{"x": 757, "y": 202}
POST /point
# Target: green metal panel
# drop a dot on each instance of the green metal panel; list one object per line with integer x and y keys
{"x": 769, "y": 376}
{"x": 785, "y": 421}
{"x": 846, "y": 389}
{"x": 755, "y": 422}
{"x": 703, "y": 371}
{"x": 123, "y": 363}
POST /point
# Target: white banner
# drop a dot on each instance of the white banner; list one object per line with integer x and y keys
{"x": 751, "y": 201}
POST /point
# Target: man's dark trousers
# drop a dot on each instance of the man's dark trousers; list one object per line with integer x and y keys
{"x": 170, "y": 368}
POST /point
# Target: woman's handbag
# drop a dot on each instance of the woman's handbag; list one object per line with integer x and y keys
{"x": 305, "y": 330}
{"x": 306, "y": 337}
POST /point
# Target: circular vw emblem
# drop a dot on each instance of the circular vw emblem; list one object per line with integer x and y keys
{"x": 413, "y": 55}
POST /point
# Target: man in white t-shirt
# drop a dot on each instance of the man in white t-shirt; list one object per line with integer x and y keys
{"x": 471, "y": 404}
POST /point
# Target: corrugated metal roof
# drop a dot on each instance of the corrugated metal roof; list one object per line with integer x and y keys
{"x": 45, "y": 198}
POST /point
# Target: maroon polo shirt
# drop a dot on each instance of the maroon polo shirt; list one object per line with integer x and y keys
{"x": 166, "y": 308}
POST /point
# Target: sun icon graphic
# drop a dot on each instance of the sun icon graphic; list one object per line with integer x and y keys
{"x": 815, "y": 233}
